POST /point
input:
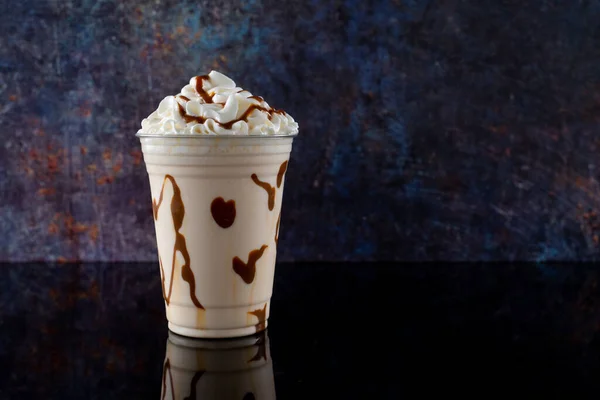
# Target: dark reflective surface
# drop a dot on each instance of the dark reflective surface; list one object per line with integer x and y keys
{"x": 336, "y": 331}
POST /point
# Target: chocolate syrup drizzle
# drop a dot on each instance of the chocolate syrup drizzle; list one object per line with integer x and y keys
{"x": 177, "y": 212}
{"x": 268, "y": 188}
{"x": 247, "y": 271}
{"x": 261, "y": 314}
{"x": 261, "y": 351}
{"x": 203, "y": 93}
{"x": 282, "y": 169}
{"x": 193, "y": 385}
{"x": 208, "y": 98}
{"x": 167, "y": 371}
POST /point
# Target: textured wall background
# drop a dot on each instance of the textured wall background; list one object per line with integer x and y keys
{"x": 430, "y": 129}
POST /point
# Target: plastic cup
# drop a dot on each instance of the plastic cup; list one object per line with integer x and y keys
{"x": 216, "y": 203}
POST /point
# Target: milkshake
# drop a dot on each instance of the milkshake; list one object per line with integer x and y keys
{"x": 236, "y": 369}
{"x": 216, "y": 157}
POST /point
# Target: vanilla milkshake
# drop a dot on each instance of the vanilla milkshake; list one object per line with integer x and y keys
{"x": 216, "y": 157}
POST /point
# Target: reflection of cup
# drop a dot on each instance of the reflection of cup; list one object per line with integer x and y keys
{"x": 239, "y": 369}
{"x": 217, "y": 207}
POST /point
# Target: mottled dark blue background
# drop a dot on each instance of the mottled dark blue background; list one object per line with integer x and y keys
{"x": 429, "y": 129}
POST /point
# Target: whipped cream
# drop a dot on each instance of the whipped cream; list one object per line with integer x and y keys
{"x": 213, "y": 105}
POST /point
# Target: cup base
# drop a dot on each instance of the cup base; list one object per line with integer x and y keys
{"x": 215, "y": 333}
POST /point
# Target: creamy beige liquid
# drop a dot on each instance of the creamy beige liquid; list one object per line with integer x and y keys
{"x": 217, "y": 229}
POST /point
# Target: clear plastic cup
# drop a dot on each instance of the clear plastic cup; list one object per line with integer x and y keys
{"x": 216, "y": 204}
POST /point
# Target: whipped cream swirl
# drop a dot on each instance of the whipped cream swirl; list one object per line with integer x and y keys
{"x": 213, "y": 105}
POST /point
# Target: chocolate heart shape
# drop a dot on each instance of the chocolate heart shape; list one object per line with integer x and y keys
{"x": 223, "y": 212}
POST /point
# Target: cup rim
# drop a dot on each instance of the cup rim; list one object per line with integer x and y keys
{"x": 212, "y": 137}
